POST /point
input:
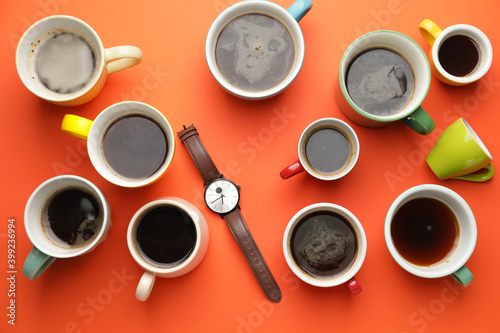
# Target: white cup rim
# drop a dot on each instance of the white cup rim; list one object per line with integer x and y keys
{"x": 248, "y": 7}
{"x": 479, "y": 37}
{"x": 346, "y": 130}
{"x": 358, "y": 260}
{"x": 467, "y": 234}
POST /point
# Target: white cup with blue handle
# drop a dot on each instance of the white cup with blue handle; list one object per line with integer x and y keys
{"x": 255, "y": 48}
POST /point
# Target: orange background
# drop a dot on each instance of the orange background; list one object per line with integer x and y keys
{"x": 250, "y": 142}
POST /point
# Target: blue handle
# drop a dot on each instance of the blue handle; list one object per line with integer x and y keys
{"x": 299, "y": 9}
{"x": 36, "y": 263}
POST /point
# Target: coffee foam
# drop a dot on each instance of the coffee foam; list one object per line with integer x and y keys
{"x": 63, "y": 61}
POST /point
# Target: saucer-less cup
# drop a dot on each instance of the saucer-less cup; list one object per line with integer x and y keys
{"x": 482, "y": 51}
{"x": 260, "y": 50}
{"x": 454, "y": 263}
{"x": 95, "y": 131}
{"x": 412, "y": 114}
{"x": 153, "y": 268}
{"x": 346, "y": 276}
{"x": 347, "y": 154}
{"x": 107, "y": 60}
{"x": 46, "y": 246}
{"x": 459, "y": 153}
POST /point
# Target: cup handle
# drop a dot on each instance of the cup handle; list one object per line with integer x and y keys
{"x": 292, "y": 170}
{"x": 419, "y": 121}
{"x": 119, "y": 58}
{"x": 299, "y": 9}
{"x": 76, "y": 126}
{"x": 429, "y": 30}
{"x": 36, "y": 263}
{"x": 354, "y": 286}
{"x": 485, "y": 174}
{"x": 145, "y": 286}
{"x": 463, "y": 276}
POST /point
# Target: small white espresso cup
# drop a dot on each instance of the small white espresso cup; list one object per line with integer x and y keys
{"x": 454, "y": 263}
{"x": 153, "y": 268}
{"x": 287, "y": 17}
{"x": 94, "y": 132}
{"x": 47, "y": 248}
{"x": 347, "y": 275}
{"x": 107, "y": 61}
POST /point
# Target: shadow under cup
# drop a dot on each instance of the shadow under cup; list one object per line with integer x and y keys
{"x": 325, "y": 245}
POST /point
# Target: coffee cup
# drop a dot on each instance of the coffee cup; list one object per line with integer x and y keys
{"x": 61, "y": 59}
{"x": 167, "y": 237}
{"x": 325, "y": 245}
{"x": 255, "y": 48}
{"x": 66, "y": 216}
{"x": 460, "y": 54}
{"x": 131, "y": 144}
{"x": 431, "y": 232}
{"x": 384, "y": 76}
{"x": 328, "y": 149}
{"x": 459, "y": 153}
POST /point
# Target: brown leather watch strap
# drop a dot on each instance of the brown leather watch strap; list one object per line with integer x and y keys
{"x": 190, "y": 138}
{"x": 245, "y": 241}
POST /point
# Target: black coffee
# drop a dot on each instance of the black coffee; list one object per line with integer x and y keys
{"x": 323, "y": 244}
{"x": 327, "y": 151}
{"x": 424, "y": 231}
{"x": 380, "y": 82}
{"x": 135, "y": 147}
{"x": 459, "y": 55}
{"x": 166, "y": 236}
{"x": 63, "y": 61}
{"x": 254, "y": 52}
{"x": 72, "y": 217}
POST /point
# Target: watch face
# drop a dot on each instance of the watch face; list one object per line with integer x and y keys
{"x": 222, "y": 196}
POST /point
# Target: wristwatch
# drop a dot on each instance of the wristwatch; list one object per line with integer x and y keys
{"x": 222, "y": 197}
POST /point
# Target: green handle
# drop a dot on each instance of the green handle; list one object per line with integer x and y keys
{"x": 483, "y": 176}
{"x": 463, "y": 276}
{"x": 419, "y": 121}
{"x": 36, "y": 263}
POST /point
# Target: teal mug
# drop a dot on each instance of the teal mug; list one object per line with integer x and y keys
{"x": 66, "y": 216}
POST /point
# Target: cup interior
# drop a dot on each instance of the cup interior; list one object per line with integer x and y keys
{"x": 359, "y": 235}
{"x": 471, "y": 131}
{"x": 38, "y": 200}
{"x": 486, "y": 51}
{"x": 34, "y": 33}
{"x": 405, "y": 47}
{"x": 102, "y": 123}
{"x": 255, "y": 7}
{"x": 466, "y": 223}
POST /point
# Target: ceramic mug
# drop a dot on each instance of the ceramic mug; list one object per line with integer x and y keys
{"x": 327, "y": 239}
{"x": 412, "y": 114}
{"x": 141, "y": 142}
{"x": 277, "y": 45}
{"x": 341, "y": 142}
{"x": 459, "y": 153}
{"x": 145, "y": 248}
{"x": 101, "y": 61}
{"x": 47, "y": 246}
{"x": 460, "y": 54}
{"x": 454, "y": 261}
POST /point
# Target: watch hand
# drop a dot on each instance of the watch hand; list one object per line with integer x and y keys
{"x": 218, "y": 199}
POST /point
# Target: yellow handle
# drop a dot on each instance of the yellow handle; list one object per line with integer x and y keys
{"x": 429, "y": 30}
{"x": 119, "y": 58}
{"x": 76, "y": 125}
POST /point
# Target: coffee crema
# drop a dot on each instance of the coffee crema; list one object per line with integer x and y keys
{"x": 72, "y": 217}
{"x": 459, "y": 55}
{"x": 254, "y": 52}
{"x": 63, "y": 61}
{"x": 380, "y": 82}
{"x": 323, "y": 244}
{"x": 135, "y": 147}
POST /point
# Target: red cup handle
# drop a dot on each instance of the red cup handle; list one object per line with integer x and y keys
{"x": 354, "y": 286}
{"x": 291, "y": 170}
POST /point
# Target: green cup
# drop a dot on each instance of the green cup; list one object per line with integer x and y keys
{"x": 460, "y": 154}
